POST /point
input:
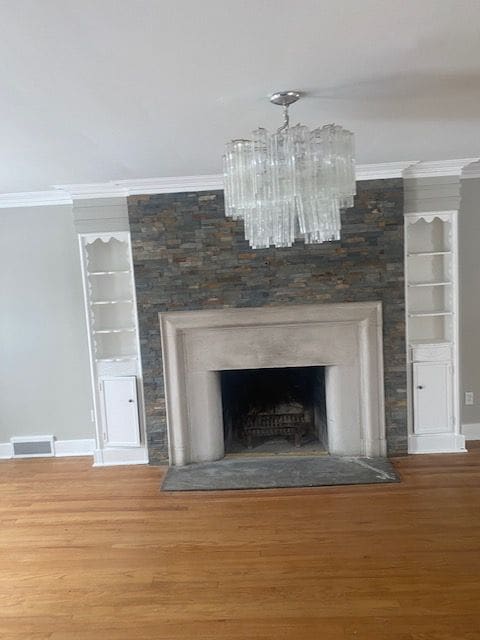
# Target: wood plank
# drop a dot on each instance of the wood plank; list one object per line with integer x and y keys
{"x": 101, "y": 553}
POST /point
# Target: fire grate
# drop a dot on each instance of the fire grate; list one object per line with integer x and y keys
{"x": 276, "y": 424}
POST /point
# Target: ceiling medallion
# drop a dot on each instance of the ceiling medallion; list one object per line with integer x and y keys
{"x": 290, "y": 184}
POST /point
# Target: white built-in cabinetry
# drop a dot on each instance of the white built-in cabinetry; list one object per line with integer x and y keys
{"x": 114, "y": 347}
{"x": 431, "y": 265}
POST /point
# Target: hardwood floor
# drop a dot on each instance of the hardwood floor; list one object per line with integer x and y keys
{"x": 99, "y": 553}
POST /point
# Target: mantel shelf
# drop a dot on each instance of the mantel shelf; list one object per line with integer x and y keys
{"x": 120, "y": 301}
{"x": 445, "y": 283}
{"x": 430, "y": 253}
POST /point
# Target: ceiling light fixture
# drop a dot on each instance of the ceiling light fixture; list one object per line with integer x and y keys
{"x": 291, "y": 183}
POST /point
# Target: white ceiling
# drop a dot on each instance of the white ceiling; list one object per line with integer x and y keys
{"x": 98, "y": 90}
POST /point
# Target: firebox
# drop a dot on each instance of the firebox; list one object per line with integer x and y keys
{"x": 274, "y": 410}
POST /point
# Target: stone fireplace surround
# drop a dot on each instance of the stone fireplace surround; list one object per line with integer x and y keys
{"x": 188, "y": 256}
{"x": 346, "y": 338}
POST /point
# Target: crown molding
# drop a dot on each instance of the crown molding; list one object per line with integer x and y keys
{"x": 173, "y": 185}
{"x": 34, "y": 199}
{"x": 182, "y": 184}
{"x": 472, "y": 170}
{"x": 383, "y": 170}
{"x": 68, "y": 193}
{"x": 92, "y": 190}
{"x": 438, "y": 168}
{"x": 146, "y": 186}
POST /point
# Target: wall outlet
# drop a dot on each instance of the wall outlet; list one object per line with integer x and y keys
{"x": 469, "y": 397}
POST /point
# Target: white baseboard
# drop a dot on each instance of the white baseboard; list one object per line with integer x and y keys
{"x": 86, "y": 447}
{"x": 62, "y": 448}
{"x": 471, "y": 431}
{"x": 6, "y": 450}
{"x": 117, "y": 456}
{"x": 437, "y": 443}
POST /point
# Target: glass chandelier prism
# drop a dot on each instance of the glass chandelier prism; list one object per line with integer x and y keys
{"x": 290, "y": 184}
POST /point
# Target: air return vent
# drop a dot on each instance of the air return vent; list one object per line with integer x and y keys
{"x": 32, "y": 447}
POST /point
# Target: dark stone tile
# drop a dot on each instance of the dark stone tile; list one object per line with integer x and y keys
{"x": 188, "y": 256}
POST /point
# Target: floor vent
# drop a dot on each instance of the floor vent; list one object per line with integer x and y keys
{"x": 33, "y": 447}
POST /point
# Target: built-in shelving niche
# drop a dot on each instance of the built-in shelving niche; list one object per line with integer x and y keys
{"x": 430, "y": 275}
{"x": 111, "y": 304}
{"x": 113, "y": 336}
{"x": 431, "y": 292}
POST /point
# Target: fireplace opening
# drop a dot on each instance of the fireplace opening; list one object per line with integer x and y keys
{"x": 281, "y": 410}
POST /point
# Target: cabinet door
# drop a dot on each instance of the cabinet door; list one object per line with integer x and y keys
{"x": 432, "y": 397}
{"x": 121, "y": 427}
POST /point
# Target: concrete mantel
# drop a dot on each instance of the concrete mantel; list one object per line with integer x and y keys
{"x": 346, "y": 338}
{"x": 244, "y": 317}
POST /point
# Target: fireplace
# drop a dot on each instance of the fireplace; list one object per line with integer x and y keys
{"x": 278, "y": 410}
{"x": 345, "y": 339}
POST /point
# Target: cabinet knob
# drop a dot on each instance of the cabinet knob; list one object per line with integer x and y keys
{"x": 130, "y": 400}
{"x": 420, "y": 386}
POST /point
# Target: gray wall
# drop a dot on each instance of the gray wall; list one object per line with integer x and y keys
{"x": 44, "y": 371}
{"x": 469, "y": 251}
{"x": 188, "y": 256}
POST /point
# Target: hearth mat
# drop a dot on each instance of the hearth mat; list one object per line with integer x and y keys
{"x": 276, "y": 472}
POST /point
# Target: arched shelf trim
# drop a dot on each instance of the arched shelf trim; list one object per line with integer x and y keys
{"x": 105, "y": 237}
{"x": 428, "y": 216}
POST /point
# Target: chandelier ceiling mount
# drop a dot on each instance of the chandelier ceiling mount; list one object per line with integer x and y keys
{"x": 285, "y": 99}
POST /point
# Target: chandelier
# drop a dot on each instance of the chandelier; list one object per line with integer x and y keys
{"x": 290, "y": 184}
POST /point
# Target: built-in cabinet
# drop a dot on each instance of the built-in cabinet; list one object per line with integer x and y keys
{"x": 120, "y": 406}
{"x": 110, "y": 309}
{"x": 431, "y": 265}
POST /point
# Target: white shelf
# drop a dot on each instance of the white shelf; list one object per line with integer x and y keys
{"x": 117, "y": 359}
{"x": 430, "y": 253}
{"x": 445, "y": 283}
{"x": 107, "y": 273}
{"x": 124, "y": 301}
{"x": 120, "y": 330}
{"x": 429, "y": 314}
{"x": 429, "y": 341}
